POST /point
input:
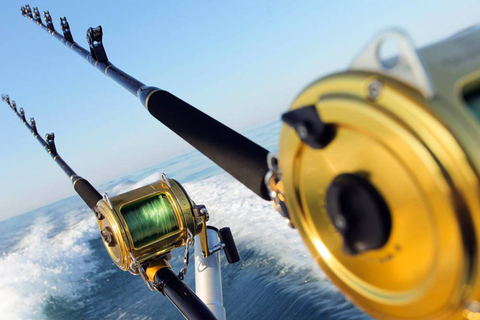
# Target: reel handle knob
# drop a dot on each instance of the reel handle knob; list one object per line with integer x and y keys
{"x": 231, "y": 252}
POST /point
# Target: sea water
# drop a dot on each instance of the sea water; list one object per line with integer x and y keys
{"x": 54, "y": 266}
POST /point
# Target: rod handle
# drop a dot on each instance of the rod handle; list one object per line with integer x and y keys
{"x": 245, "y": 160}
{"x": 186, "y": 301}
{"x": 87, "y": 192}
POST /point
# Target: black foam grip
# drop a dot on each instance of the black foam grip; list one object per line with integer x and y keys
{"x": 186, "y": 301}
{"x": 245, "y": 160}
{"x": 87, "y": 192}
{"x": 230, "y": 249}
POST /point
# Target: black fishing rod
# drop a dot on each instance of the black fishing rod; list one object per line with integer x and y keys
{"x": 243, "y": 159}
{"x": 155, "y": 271}
{"x": 84, "y": 189}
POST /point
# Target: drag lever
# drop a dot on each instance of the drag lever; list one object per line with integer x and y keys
{"x": 94, "y": 38}
{"x": 310, "y": 127}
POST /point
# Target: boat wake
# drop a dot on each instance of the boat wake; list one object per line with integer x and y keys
{"x": 59, "y": 265}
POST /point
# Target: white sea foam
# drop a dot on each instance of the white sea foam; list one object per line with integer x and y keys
{"x": 44, "y": 267}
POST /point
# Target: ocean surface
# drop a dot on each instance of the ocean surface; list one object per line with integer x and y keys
{"x": 53, "y": 264}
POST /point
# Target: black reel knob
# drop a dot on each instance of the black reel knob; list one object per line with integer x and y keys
{"x": 231, "y": 252}
{"x": 359, "y": 213}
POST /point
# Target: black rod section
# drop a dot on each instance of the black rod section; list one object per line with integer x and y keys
{"x": 184, "y": 299}
{"x": 84, "y": 189}
{"x": 245, "y": 160}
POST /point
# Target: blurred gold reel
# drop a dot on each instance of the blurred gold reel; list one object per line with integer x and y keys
{"x": 381, "y": 168}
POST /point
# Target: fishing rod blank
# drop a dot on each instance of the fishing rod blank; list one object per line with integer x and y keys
{"x": 84, "y": 189}
{"x": 243, "y": 159}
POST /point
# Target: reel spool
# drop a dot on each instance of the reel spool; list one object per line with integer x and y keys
{"x": 149, "y": 222}
{"x": 380, "y": 166}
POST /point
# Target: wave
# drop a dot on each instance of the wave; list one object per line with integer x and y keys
{"x": 55, "y": 261}
{"x": 43, "y": 267}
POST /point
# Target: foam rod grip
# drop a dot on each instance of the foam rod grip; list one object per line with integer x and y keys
{"x": 87, "y": 192}
{"x": 245, "y": 160}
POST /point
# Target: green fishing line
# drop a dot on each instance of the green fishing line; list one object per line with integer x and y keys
{"x": 149, "y": 219}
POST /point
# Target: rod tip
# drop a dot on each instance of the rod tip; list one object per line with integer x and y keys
{"x": 6, "y": 98}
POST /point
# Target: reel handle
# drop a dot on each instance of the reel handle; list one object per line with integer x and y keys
{"x": 230, "y": 249}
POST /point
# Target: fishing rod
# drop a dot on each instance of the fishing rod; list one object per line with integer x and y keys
{"x": 139, "y": 229}
{"x": 83, "y": 188}
{"x": 242, "y": 158}
{"x": 378, "y": 169}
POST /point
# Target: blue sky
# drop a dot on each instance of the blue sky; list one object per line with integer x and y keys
{"x": 241, "y": 62}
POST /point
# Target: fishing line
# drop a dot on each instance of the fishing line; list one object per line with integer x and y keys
{"x": 149, "y": 219}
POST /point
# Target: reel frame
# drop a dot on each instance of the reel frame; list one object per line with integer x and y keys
{"x": 116, "y": 235}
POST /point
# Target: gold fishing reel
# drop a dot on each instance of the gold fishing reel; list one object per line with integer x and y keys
{"x": 146, "y": 223}
{"x": 381, "y": 173}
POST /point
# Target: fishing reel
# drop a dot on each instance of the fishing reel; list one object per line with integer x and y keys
{"x": 141, "y": 227}
{"x": 146, "y": 224}
{"x": 381, "y": 173}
